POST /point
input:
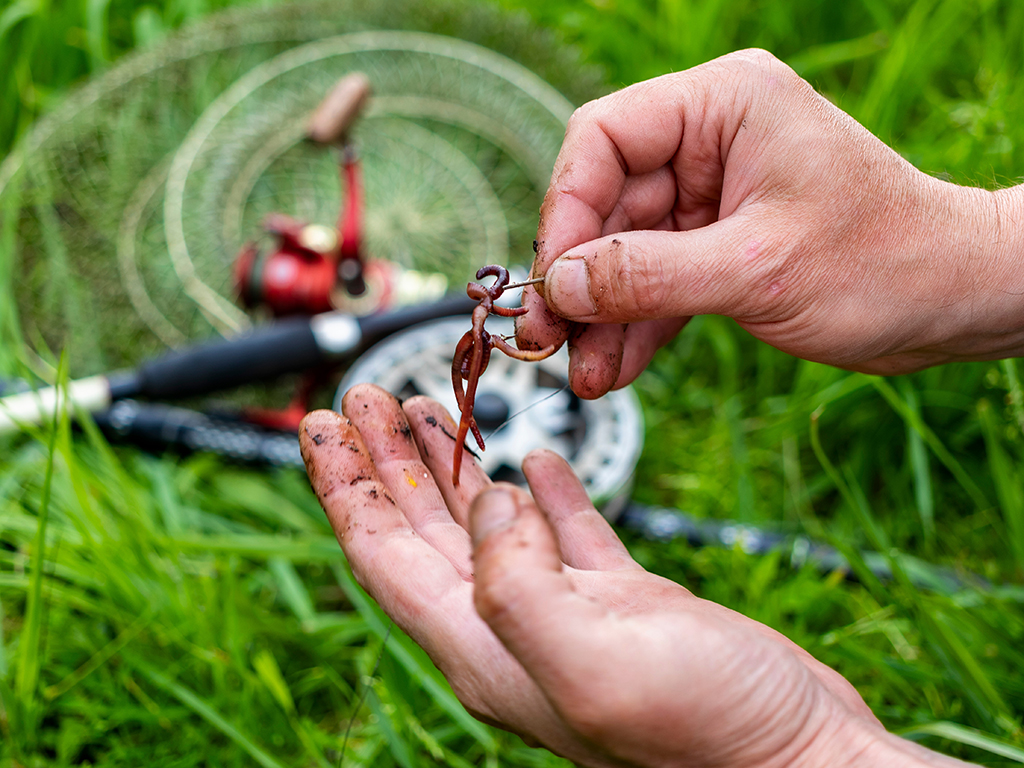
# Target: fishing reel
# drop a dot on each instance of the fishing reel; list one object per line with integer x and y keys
{"x": 519, "y": 406}
{"x": 306, "y": 269}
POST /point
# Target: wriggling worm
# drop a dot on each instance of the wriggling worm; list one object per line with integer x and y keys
{"x": 473, "y": 352}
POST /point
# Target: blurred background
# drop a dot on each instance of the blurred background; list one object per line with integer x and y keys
{"x": 187, "y": 611}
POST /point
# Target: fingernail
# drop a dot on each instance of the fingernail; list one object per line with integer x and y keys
{"x": 568, "y": 288}
{"x": 493, "y": 510}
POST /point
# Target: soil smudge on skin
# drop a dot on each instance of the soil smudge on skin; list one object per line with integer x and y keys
{"x": 373, "y": 493}
{"x": 403, "y": 430}
{"x": 434, "y": 423}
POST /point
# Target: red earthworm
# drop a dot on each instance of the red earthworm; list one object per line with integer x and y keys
{"x": 473, "y": 352}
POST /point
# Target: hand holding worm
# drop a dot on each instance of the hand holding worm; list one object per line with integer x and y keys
{"x": 734, "y": 189}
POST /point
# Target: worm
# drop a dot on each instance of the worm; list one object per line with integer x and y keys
{"x": 473, "y": 352}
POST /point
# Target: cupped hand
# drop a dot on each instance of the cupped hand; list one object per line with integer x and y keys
{"x": 734, "y": 189}
{"x": 542, "y": 622}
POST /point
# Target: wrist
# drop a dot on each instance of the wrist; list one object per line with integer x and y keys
{"x": 976, "y": 237}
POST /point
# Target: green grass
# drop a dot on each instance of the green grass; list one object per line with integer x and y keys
{"x": 180, "y": 613}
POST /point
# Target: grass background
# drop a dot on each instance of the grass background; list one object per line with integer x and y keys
{"x": 188, "y": 613}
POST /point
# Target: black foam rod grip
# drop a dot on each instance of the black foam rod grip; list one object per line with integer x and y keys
{"x": 262, "y": 354}
{"x": 269, "y": 351}
{"x": 382, "y": 324}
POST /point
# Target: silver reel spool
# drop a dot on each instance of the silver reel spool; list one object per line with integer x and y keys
{"x": 519, "y": 407}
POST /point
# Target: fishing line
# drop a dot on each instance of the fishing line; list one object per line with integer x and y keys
{"x": 506, "y": 422}
{"x": 365, "y": 693}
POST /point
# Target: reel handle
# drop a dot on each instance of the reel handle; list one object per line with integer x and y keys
{"x": 331, "y": 120}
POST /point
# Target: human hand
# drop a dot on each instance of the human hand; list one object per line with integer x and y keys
{"x": 734, "y": 189}
{"x": 542, "y": 622}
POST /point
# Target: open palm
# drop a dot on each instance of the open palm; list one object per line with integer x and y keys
{"x": 539, "y": 618}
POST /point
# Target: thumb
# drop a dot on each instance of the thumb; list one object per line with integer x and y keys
{"x": 721, "y": 269}
{"x": 524, "y": 595}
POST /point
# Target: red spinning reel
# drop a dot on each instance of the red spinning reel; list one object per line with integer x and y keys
{"x": 311, "y": 268}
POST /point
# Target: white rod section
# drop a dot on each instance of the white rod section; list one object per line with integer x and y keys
{"x": 92, "y": 394}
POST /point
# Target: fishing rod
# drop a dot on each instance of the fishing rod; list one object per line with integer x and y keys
{"x": 160, "y": 428}
{"x": 290, "y": 345}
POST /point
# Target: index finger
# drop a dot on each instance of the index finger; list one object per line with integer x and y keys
{"x": 630, "y": 133}
{"x": 406, "y": 574}
{"x": 605, "y": 150}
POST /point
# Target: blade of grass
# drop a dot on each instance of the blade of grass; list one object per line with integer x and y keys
{"x": 957, "y": 657}
{"x": 398, "y": 746}
{"x": 205, "y": 711}
{"x": 309, "y": 549}
{"x": 966, "y": 666}
{"x": 96, "y": 32}
{"x": 175, "y": 519}
{"x": 269, "y": 673}
{"x": 1006, "y": 479}
{"x": 1009, "y": 367}
{"x": 3, "y": 640}
{"x": 10, "y": 718}
{"x": 876, "y": 536}
{"x": 829, "y": 55}
{"x": 14, "y": 14}
{"x": 100, "y": 658}
{"x": 293, "y": 591}
{"x": 27, "y": 676}
{"x": 10, "y": 330}
{"x": 923, "y": 492}
{"x": 964, "y": 735}
{"x": 932, "y": 441}
{"x": 745, "y": 507}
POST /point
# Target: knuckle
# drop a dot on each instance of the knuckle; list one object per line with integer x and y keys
{"x": 652, "y": 293}
{"x": 760, "y": 66}
{"x": 636, "y": 284}
{"x": 579, "y": 117}
{"x": 757, "y": 58}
